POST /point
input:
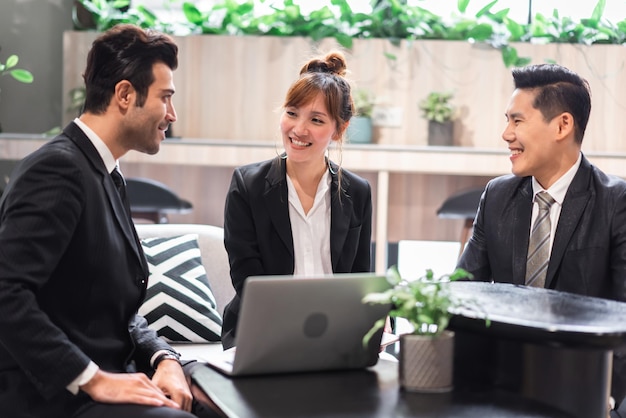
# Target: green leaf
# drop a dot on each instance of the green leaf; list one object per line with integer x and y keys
{"x": 391, "y": 56}
{"x": 393, "y": 275}
{"x": 462, "y": 5}
{"x": 501, "y": 15}
{"x": 23, "y": 76}
{"x": 148, "y": 15}
{"x": 459, "y": 274}
{"x": 486, "y": 9}
{"x": 509, "y": 56}
{"x": 377, "y": 325}
{"x": 192, "y": 13}
{"x": 481, "y": 32}
{"x": 12, "y": 61}
{"x": 119, "y": 4}
{"x": 292, "y": 12}
{"x": 344, "y": 40}
{"x": 598, "y": 11}
{"x": 515, "y": 29}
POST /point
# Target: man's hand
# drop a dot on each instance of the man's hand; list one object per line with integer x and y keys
{"x": 134, "y": 388}
{"x": 170, "y": 378}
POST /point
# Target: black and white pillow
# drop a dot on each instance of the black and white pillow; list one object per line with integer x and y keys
{"x": 179, "y": 303}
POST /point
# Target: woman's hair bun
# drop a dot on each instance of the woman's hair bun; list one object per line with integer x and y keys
{"x": 333, "y": 62}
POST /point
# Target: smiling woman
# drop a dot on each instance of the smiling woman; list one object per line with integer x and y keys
{"x": 277, "y": 217}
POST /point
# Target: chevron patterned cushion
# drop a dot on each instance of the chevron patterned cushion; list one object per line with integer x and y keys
{"x": 179, "y": 302}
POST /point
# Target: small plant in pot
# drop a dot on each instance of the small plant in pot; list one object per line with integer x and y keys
{"x": 21, "y": 75}
{"x": 360, "y": 128}
{"x": 426, "y": 354}
{"x": 440, "y": 113}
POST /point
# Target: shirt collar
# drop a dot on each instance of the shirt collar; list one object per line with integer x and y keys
{"x": 107, "y": 157}
{"x": 559, "y": 188}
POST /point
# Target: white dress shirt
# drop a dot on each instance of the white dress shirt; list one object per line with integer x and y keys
{"x": 311, "y": 231}
{"x": 557, "y": 191}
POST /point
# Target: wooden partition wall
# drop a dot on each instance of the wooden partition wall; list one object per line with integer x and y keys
{"x": 230, "y": 87}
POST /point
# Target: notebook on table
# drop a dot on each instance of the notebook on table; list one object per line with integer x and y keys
{"x": 290, "y": 324}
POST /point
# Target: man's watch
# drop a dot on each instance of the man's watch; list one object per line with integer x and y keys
{"x": 169, "y": 355}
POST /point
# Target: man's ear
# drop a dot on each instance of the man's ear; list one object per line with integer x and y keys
{"x": 124, "y": 92}
{"x": 565, "y": 125}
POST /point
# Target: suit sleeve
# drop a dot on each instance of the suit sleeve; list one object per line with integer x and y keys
{"x": 475, "y": 257}
{"x": 240, "y": 237}
{"x": 618, "y": 285}
{"x": 39, "y": 213}
{"x": 147, "y": 342}
{"x": 241, "y": 244}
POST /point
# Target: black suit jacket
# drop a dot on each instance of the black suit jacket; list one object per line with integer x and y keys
{"x": 72, "y": 276}
{"x": 589, "y": 250}
{"x": 257, "y": 228}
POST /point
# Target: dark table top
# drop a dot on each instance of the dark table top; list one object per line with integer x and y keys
{"x": 536, "y": 314}
{"x": 373, "y": 392}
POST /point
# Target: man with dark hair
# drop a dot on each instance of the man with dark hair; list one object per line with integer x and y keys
{"x": 558, "y": 222}
{"x": 72, "y": 270}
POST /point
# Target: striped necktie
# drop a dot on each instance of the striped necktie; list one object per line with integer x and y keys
{"x": 539, "y": 243}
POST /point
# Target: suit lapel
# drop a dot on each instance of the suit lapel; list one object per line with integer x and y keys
{"x": 276, "y": 201}
{"x": 84, "y": 144}
{"x": 574, "y": 205}
{"x": 340, "y": 214}
{"x": 522, "y": 212}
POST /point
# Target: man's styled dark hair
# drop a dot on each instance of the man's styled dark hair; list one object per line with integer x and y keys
{"x": 558, "y": 90}
{"x": 125, "y": 52}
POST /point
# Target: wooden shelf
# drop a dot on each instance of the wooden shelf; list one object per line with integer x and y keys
{"x": 378, "y": 159}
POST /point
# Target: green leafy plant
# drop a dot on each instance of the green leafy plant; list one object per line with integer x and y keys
{"x": 437, "y": 107}
{"x": 108, "y": 13}
{"x": 21, "y": 75}
{"x": 426, "y": 303}
{"x": 394, "y": 20}
{"x": 364, "y": 101}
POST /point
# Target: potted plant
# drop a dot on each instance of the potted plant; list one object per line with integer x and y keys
{"x": 426, "y": 354}
{"x": 21, "y": 75}
{"x": 439, "y": 112}
{"x": 360, "y": 128}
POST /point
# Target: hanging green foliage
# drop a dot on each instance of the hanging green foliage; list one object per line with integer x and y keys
{"x": 394, "y": 20}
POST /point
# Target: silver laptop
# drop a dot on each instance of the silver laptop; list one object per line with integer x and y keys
{"x": 290, "y": 324}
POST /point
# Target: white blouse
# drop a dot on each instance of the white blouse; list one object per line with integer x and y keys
{"x": 311, "y": 232}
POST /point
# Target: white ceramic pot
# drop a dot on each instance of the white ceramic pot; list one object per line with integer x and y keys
{"x": 426, "y": 363}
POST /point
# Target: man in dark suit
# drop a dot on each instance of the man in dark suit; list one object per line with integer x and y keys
{"x": 72, "y": 271}
{"x": 585, "y": 222}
